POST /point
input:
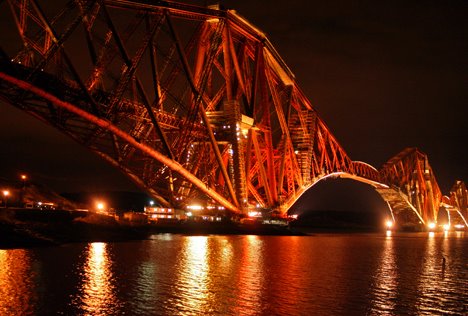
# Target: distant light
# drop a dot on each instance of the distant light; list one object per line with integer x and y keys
{"x": 389, "y": 224}
{"x": 458, "y": 226}
{"x": 151, "y": 202}
{"x": 446, "y": 227}
{"x": 195, "y": 207}
{"x": 431, "y": 225}
{"x": 293, "y": 216}
{"x": 254, "y": 214}
{"x": 6, "y": 193}
{"x": 24, "y": 177}
{"x": 100, "y": 206}
{"x": 189, "y": 214}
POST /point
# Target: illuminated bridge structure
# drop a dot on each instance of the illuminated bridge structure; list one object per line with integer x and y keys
{"x": 193, "y": 104}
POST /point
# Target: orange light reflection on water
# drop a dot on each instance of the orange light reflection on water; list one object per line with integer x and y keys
{"x": 435, "y": 277}
{"x": 16, "y": 283}
{"x": 193, "y": 277}
{"x": 386, "y": 279}
{"x": 97, "y": 291}
{"x": 250, "y": 276}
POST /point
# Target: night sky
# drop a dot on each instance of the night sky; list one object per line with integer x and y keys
{"x": 383, "y": 76}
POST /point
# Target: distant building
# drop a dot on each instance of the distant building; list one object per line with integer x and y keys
{"x": 161, "y": 214}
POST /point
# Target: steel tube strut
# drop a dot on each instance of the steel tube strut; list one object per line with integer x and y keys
{"x": 173, "y": 165}
{"x": 145, "y": 100}
{"x": 202, "y": 111}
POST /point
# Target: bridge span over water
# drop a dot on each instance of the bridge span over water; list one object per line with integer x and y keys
{"x": 193, "y": 103}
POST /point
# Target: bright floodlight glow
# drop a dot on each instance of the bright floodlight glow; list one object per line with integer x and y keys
{"x": 100, "y": 206}
{"x": 431, "y": 225}
{"x": 458, "y": 226}
{"x": 24, "y": 177}
{"x": 195, "y": 207}
{"x": 389, "y": 224}
{"x": 6, "y": 192}
{"x": 446, "y": 226}
{"x": 254, "y": 214}
{"x": 151, "y": 202}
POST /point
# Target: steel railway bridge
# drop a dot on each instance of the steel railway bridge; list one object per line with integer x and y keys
{"x": 192, "y": 103}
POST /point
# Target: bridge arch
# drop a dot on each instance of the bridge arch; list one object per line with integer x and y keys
{"x": 340, "y": 194}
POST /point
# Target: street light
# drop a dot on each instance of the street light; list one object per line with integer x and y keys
{"x": 389, "y": 224}
{"x": 431, "y": 225}
{"x": 100, "y": 206}
{"x": 6, "y": 193}
{"x": 24, "y": 178}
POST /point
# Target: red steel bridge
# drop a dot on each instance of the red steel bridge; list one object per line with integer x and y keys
{"x": 192, "y": 103}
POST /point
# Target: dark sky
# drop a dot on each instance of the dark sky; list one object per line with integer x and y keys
{"x": 383, "y": 76}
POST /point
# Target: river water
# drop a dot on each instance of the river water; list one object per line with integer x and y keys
{"x": 324, "y": 274}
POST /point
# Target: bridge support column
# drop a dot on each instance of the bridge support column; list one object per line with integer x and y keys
{"x": 237, "y": 152}
{"x": 430, "y": 196}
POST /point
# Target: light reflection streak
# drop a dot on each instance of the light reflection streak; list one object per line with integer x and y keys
{"x": 192, "y": 281}
{"x": 227, "y": 254}
{"x": 250, "y": 276}
{"x": 438, "y": 282}
{"x": 289, "y": 282}
{"x": 386, "y": 280}
{"x": 97, "y": 291}
{"x": 428, "y": 283}
{"x": 17, "y": 295}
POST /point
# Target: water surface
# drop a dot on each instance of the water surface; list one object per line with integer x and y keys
{"x": 352, "y": 274}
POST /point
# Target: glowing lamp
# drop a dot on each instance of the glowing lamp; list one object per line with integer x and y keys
{"x": 254, "y": 214}
{"x": 389, "y": 224}
{"x": 446, "y": 227}
{"x": 431, "y": 225}
{"x": 100, "y": 206}
{"x": 6, "y": 193}
{"x": 195, "y": 207}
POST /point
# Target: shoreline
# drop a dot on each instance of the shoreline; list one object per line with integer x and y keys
{"x": 24, "y": 228}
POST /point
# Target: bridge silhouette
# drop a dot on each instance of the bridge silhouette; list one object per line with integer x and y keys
{"x": 194, "y": 104}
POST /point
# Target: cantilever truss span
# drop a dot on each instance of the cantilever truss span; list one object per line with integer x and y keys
{"x": 189, "y": 102}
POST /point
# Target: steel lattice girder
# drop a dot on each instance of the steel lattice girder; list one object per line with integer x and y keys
{"x": 410, "y": 172}
{"x": 159, "y": 87}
